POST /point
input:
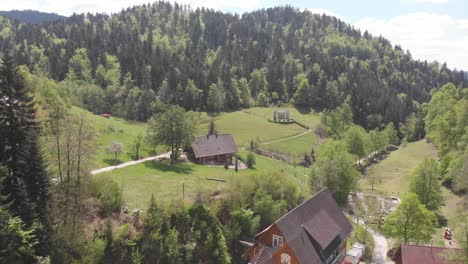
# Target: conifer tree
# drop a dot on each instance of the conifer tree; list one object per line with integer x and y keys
{"x": 17, "y": 120}
{"x": 212, "y": 129}
{"x": 26, "y": 185}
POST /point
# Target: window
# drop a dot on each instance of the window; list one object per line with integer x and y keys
{"x": 277, "y": 241}
{"x": 285, "y": 258}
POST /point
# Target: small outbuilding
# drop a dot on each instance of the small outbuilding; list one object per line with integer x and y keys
{"x": 281, "y": 116}
{"x": 214, "y": 149}
{"x": 410, "y": 254}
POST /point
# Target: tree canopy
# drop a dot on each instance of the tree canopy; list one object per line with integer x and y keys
{"x": 334, "y": 168}
{"x": 174, "y": 128}
{"x": 207, "y": 60}
{"x": 411, "y": 222}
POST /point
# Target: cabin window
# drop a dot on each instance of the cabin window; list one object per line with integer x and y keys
{"x": 285, "y": 258}
{"x": 277, "y": 241}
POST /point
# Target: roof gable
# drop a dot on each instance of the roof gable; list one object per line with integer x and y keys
{"x": 213, "y": 145}
{"x": 314, "y": 224}
{"x": 322, "y": 228}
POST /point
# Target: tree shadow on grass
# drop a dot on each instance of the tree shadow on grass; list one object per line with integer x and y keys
{"x": 304, "y": 110}
{"x": 112, "y": 162}
{"x": 165, "y": 166}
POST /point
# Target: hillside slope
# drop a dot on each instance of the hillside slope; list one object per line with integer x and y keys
{"x": 31, "y": 16}
{"x": 207, "y": 60}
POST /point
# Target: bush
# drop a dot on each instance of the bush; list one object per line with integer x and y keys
{"x": 108, "y": 192}
{"x": 250, "y": 160}
{"x": 358, "y": 235}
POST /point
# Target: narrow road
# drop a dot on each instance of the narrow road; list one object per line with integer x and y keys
{"x": 129, "y": 163}
{"x": 379, "y": 256}
{"x": 291, "y": 137}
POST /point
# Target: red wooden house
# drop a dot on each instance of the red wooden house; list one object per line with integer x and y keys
{"x": 314, "y": 232}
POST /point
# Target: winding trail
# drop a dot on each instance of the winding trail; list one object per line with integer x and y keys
{"x": 129, "y": 163}
{"x": 287, "y": 138}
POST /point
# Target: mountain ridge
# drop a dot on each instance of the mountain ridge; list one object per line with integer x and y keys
{"x": 31, "y": 16}
{"x": 204, "y": 59}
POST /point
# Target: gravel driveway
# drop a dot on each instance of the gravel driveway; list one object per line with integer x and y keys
{"x": 129, "y": 163}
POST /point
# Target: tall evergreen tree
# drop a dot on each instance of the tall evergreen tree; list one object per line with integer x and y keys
{"x": 212, "y": 129}
{"x": 27, "y": 183}
{"x": 17, "y": 120}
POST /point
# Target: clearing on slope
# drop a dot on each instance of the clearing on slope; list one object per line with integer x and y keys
{"x": 170, "y": 183}
{"x": 111, "y": 130}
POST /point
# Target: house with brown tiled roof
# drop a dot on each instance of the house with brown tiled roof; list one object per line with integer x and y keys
{"x": 314, "y": 232}
{"x": 409, "y": 254}
{"x": 214, "y": 149}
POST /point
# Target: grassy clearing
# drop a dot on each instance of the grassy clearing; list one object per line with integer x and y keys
{"x": 395, "y": 170}
{"x": 115, "y": 130}
{"x": 452, "y": 201}
{"x": 295, "y": 147}
{"x": 310, "y": 119}
{"x": 249, "y": 124}
{"x": 395, "y": 173}
{"x": 245, "y": 125}
{"x": 166, "y": 182}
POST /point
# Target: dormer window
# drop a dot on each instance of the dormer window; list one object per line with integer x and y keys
{"x": 277, "y": 241}
{"x": 285, "y": 258}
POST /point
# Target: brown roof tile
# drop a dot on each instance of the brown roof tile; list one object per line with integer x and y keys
{"x": 409, "y": 254}
{"x": 322, "y": 228}
{"x": 318, "y": 220}
{"x": 206, "y": 146}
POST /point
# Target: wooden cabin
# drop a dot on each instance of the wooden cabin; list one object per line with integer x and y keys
{"x": 214, "y": 149}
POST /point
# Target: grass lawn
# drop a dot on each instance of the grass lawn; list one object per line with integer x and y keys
{"x": 245, "y": 125}
{"x": 295, "y": 147}
{"x": 248, "y": 124}
{"x": 452, "y": 201}
{"x": 166, "y": 182}
{"x": 395, "y": 173}
{"x": 310, "y": 119}
{"x": 395, "y": 170}
{"x": 114, "y": 130}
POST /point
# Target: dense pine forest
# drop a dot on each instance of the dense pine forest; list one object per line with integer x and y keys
{"x": 206, "y": 60}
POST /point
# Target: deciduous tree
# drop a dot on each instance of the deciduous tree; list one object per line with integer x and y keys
{"x": 334, "y": 168}
{"x": 411, "y": 222}
{"x": 426, "y": 185}
{"x": 174, "y": 128}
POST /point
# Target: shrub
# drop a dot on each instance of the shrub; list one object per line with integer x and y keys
{"x": 108, "y": 192}
{"x": 250, "y": 160}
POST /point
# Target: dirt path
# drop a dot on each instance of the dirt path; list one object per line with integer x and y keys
{"x": 129, "y": 163}
{"x": 287, "y": 138}
{"x": 379, "y": 256}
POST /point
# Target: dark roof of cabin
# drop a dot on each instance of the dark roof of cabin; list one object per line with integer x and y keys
{"x": 313, "y": 225}
{"x": 213, "y": 145}
{"x": 424, "y": 254}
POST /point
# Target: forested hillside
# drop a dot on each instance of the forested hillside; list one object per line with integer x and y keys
{"x": 31, "y": 16}
{"x": 207, "y": 60}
